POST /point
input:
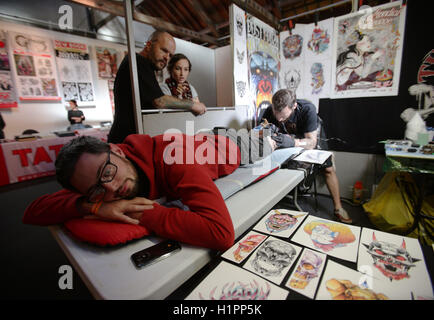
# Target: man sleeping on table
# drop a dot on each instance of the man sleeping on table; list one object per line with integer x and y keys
{"x": 119, "y": 182}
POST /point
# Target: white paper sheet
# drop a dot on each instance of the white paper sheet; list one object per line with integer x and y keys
{"x": 314, "y": 156}
{"x": 229, "y": 282}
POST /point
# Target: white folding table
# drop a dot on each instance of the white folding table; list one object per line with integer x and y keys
{"x": 110, "y": 274}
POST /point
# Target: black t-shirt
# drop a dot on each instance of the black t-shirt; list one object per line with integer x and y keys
{"x": 123, "y": 123}
{"x": 75, "y": 113}
{"x": 302, "y": 120}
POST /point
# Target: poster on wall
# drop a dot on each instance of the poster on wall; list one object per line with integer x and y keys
{"x": 367, "y": 52}
{"x": 318, "y": 60}
{"x": 7, "y": 87}
{"x": 292, "y": 59}
{"x": 107, "y": 62}
{"x": 239, "y": 57}
{"x": 75, "y": 74}
{"x": 263, "y": 63}
{"x": 34, "y": 67}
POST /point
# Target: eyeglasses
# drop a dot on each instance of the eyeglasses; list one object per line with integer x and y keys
{"x": 108, "y": 173}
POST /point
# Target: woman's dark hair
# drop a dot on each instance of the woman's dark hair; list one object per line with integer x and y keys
{"x": 71, "y": 152}
{"x": 73, "y": 101}
{"x": 175, "y": 58}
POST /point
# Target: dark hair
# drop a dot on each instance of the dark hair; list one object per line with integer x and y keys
{"x": 73, "y": 101}
{"x": 282, "y": 99}
{"x": 175, "y": 58}
{"x": 71, "y": 152}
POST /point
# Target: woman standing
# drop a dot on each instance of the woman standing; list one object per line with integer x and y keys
{"x": 179, "y": 68}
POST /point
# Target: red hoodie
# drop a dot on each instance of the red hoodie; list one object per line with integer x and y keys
{"x": 206, "y": 224}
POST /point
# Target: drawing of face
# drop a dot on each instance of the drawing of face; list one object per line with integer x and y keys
{"x": 393, "y": 261}
{"x": 272, "y": 257}
{"x": 280, "y": 221}
{"x": 241, "y": 291}
{"x": 323, "y": 237}
{"x": 364, "y": 45}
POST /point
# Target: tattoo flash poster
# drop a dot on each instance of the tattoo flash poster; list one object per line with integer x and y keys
{"x": 332, "y": 238}
{"x": 73, "y": 63}
{"x": 280, "y": 222}
{"x": 7, "y": 87}
{"x": 107, "y": 62}
{"x": 397, "y": 260}
{"x": 305, "y": 277}
{"x": 292, "y": 47}
{"x": 34, "y": 67}
{"x": 263, "y": 63}
{"x": 239, "y": 57}
{"x": 342, "y": 283}
{"x": 367, "y": 52}
{"x": 273, "y": 259}
{"x": 229, "y": 282}
{"x": 243, "y": 248}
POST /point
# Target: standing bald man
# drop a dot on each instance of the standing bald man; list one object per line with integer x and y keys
{"x": 154, "y": 57}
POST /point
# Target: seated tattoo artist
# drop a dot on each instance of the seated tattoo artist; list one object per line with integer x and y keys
{"x": 294, "y": 122}
{"x": 124, "y": 179}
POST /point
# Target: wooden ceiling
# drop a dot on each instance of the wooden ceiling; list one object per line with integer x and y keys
{"x": 206, "y": 22}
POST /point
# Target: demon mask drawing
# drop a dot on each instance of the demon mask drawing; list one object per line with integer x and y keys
{"x": 393, "y": 261}
{"x": 263, "y": 79}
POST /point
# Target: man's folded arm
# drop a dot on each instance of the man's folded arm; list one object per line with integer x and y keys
{"x": 54, "y": 208}
{"x": 206, "y": 224}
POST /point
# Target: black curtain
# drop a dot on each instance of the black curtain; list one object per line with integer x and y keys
{"x": 358, "y": 124}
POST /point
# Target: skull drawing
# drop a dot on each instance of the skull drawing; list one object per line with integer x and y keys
{"x": 272, "y": 257}
{"x": 307, "y": 270}
{"x": 292, "y": 79}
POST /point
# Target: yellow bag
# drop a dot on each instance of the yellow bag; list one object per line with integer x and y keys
{"x": 392, "y": 205}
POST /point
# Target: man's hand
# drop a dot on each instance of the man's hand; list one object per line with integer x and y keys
{"x": 120, "y": 210}
{"x": 198, "y": 108}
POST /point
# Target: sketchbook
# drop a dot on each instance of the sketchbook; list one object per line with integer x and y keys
{"x": 314, "y": 156}
{"x": 229, "y": 282}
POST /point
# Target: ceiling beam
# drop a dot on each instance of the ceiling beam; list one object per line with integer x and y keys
{"x": 260, "y": 12}
{"x": 201, "y": 12}
{"x": 117, "y": 8}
